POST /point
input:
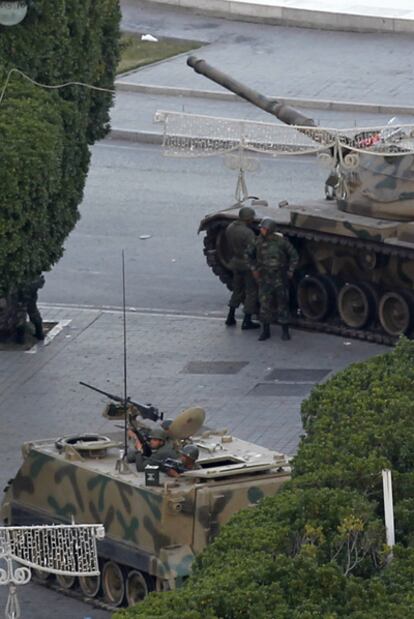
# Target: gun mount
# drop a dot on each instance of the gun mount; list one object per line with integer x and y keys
{"x": 356, "y": 272}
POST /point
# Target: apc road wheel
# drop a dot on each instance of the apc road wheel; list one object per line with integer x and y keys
{"x": 394, "y": 313}
{"x": 356, "y": 305}
{"x": 136, "y": 587}
{"x": 40, "y": 575}
{"x": 66, "y": 582}
{"x": 90, "y": 585}
{"x": 162, "y": 584}
{"x": 113, "y": 583}
{"x": 315, "y": 294}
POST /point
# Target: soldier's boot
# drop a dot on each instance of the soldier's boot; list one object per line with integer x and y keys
{"x": 285, "y": 332}
{"x": 39, "y": 333}
{"x": 20, "y": 334}
{"x": 265, "y": 334}
{"x": 230, "y": 320}
{"x": 248, "y": 323}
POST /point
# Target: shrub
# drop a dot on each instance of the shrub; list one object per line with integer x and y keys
{"x": 316, "y": 550}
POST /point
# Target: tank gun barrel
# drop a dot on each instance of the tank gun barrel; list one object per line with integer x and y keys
{"x": 283, "y": 112}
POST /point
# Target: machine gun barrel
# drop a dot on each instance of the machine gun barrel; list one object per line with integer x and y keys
{"x": 147, "y": 411}
{"x": 283, "y": 112}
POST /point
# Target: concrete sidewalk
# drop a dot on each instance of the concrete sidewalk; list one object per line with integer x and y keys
{"x": 340, "y": 79}
{"x": 348, "y": 15}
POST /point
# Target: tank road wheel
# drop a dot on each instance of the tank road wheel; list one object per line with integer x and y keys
{"x": 315, "y": 295}
{"x": 90, "y": 585}
{"x": 136, "y": 587}
{"x": 113, "y": 583}
{"x": 66, "y": 582}
{"x": 357, "y": 305}
{"x": 394, "y": 313}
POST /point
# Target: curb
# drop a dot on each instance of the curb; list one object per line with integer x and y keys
{"x": 143, "y": 137}
{"x": 319, "y": 104}
{"x": 290, "y": 16}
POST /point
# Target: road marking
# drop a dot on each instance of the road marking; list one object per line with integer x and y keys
{"x": 49, "y": 337}
{"x": 148, "y": 311}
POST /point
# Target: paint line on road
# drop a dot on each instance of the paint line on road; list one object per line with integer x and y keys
{"x": 114, "y": 309}
{"x": 49, "y": 337}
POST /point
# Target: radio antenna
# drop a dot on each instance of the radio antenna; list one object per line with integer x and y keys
{"x": 125, "y": 361}
{"x": 121, "y": 464}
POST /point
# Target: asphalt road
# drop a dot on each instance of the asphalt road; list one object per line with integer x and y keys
{"x": 133, "y": 190}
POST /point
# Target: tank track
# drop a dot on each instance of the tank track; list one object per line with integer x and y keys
{"x": 356, "y": 244}
{"x": 299, "y": 233}
{"x": 215, "y": 265}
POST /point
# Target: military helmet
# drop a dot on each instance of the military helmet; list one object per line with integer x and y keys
{"x": 269, "y": 224}
{"x": 157, "y": 433}
{"x": 165, "y": 424}
{"x": 247, "y": 213}
{"x": 191, "y": 451}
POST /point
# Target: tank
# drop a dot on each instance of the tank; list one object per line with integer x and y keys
{"x": 356, "y": 244}
{"x": 154, "y": 528}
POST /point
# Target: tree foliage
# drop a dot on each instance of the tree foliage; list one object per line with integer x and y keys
{"x": 45, "y": 133}
{"x": 317, "y": 549}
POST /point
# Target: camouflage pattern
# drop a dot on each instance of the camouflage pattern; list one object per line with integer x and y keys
{"x": 274, "y": 258}
{"x": 380, "y": 186}
{"x": 155, "y": 529}
{"x": 239, "y": 236}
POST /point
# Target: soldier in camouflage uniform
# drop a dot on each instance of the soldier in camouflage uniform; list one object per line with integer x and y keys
{"x": 158, "y": 447}
{"x": 272, "y": 260}
{"x": 27, "y": 304}
{"x": 239, "y": 236}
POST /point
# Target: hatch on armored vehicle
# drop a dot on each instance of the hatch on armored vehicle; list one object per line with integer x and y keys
{"x": 356, "y": 272}
{"x": 153, "y": 531}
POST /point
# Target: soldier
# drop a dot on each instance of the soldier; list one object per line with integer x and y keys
{"x": 272, "y": 260}
{"x": 159, "y": 450}
{"x": 170, "y": 440}
{"x": 27, "y": 304}
{"x": 188, "y": 459}
{"x": 239, "y": 236}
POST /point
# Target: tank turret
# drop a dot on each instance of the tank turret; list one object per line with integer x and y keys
{"x": 356, "y": 272}
{"x": 372, "y": 170}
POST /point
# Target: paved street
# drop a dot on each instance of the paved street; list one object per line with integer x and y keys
{"x": 134, "y": 190}
{"x": 179, "y": 352}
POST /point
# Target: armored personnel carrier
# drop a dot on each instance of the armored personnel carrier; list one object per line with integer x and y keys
{"x": 356, "y": 272}
{"x": 153, "y": 527}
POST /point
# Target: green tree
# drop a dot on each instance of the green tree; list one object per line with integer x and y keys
{"x": 45, "y": 133}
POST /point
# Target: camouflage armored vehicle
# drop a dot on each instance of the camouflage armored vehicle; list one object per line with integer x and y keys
{"x": 356, "y": 246}
{"x": 153, "y": 532}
